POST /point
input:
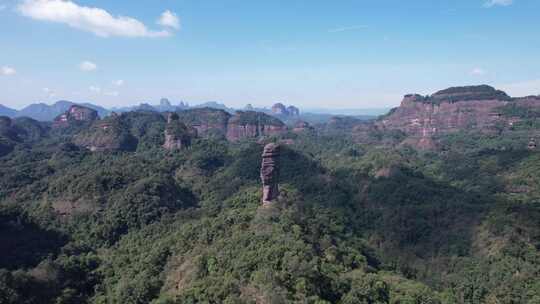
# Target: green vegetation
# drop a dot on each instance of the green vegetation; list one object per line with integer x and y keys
{"x": 467, "y": 93}
{"x": 255, "y": 118}
{"x": 203, "y": 116}
{"x": 356, "y": 223}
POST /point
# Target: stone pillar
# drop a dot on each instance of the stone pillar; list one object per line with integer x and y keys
{"x": 270, "y": 173}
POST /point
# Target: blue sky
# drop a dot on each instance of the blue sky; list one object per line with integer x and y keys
{"x": 333, "y": 54}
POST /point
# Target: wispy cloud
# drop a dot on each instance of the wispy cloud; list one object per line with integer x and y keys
{"x": 7, "y": 71}
{"x": 118, "y": 82}
{"x": 348, "y": 28}
{"x": 91, "y": 19}
{"x": 492, "y": 3}
{"x": 2, "y": 7}
{"x": 478, "y": 72}
{"x": 169, "y": 19}
{"x": 87, "y": 66}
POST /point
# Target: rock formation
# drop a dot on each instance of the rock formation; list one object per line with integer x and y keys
{"x": 75, "y": 114}
{"x": 208, "y": 122}
{"x": 270, "y": 173}
{"x": 479, "y": 108}
{"x": 177, "y": 135}
{"x": 243, "y": 124}
{"x": 280, "y": 109}
{"x": 249, "y": 124}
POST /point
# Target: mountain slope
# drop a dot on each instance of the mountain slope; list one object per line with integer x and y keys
{"x": 5, "y": 111}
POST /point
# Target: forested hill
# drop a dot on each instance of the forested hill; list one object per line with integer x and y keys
{"x": 145, "y": 207}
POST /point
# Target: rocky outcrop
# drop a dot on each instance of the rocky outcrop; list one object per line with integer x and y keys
{"x": 280, "y": 109}
{"x": 208, "y": 122}
{"x": 479, "y": 108}
{"x": 177, "y": 135}
{"x": 251, "y": 124}
{"x": 75, "y": 114}
{"x": 270, "y": 173}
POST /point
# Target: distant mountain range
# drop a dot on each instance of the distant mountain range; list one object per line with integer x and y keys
{"x": 5, "y": 111}
{"x": 45, "y": 112}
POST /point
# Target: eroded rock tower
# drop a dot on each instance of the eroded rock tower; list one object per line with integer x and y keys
{"x": 270, "y": 173}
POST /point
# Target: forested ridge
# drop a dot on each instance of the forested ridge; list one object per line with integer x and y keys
{"x": 356, "y": 222}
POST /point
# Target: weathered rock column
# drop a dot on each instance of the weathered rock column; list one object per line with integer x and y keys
{"x": 270, "y": 173}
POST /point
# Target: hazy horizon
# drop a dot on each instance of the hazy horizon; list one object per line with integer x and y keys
{"x": 312, "y": 110}
{"x": 312, "y": 54}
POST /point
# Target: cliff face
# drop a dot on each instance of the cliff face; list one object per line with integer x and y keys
{"x": 480, "y": 108}
{"x": 251, "y": 124}
{"x": 208, "y": 122}
{"x": 244, "y": 124}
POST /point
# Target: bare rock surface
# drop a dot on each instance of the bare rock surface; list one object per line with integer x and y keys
{"x": 270, "y": 173}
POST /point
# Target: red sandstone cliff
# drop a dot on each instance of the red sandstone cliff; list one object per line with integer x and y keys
{"x": 480, "y": 108}
{"x": 251, "y": 124}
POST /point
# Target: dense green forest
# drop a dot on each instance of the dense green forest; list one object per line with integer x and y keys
{"x": 355, "y": 223}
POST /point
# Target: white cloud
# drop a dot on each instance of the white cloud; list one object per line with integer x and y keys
{"x": 95, "y": 89}
{"x": 524, "y": 88}
{"x": 91, "y": 19}
{"x": 169, "y": 19}
{"x": 478, "y": 72}
{"x": 492, "y": 3}
{"x": 347, "y": 28}
{"x": 7, "y": 71}
{"x": 118, "y": 82}
{"x": 87, "y": 66}
{"x": 3, "y": 7}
